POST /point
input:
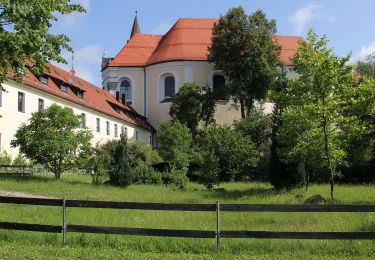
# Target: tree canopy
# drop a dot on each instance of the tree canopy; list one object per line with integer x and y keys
{"x": 53, "y": 138}
{"x": 244, "y": 49}
{"x": 25, "y": 38}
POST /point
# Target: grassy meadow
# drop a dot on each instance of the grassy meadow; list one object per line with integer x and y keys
{"x": 33, "y": 245}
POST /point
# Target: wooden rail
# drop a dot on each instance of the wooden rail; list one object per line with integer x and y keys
{"x": 217, "y": 233}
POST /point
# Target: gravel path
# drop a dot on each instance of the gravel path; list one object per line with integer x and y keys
{"x": 22, "y": 194}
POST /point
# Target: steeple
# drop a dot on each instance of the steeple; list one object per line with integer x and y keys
{"x": 135, "y": 28}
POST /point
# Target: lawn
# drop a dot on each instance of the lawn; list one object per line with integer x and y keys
{"x": 30, "y": 245}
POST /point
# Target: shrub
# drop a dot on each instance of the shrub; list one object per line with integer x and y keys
{"x": 119, "y": 173}
{"x": 20, "y": 160}
{"x": 140, "y": 154}
{"x": 176, "y": 178}
{"x": 235, "y": 153}
{"x": 174, "y": 144}
{"x": 5, "y": 158}
{"x": 100, "y": 162}
{"x": 144, "y": 174}
{"x": 207, "y": 169}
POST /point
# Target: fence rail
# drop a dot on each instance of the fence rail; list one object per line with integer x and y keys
{"x": 217, "y": 233}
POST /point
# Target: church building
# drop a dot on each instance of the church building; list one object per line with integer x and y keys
{"x": 149, "y": 70}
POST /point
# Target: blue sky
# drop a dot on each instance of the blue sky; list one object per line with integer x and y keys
{"x": 106, "y": 26}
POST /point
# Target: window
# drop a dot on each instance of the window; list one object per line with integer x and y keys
{"x": 125, "y": 89}
{"x": 64, "y": 88}
{"x": 80, "y": 94}
{"x": 136, "y": 135}
{"x": 98, "y": 125}
{"x": 151, "y": 140}
{"x": 83, "y": 120}
{"x": 116, "y": 133}
{"x": 40, "y": 104}
{"x": 169, "y": 87}
{"x": 21, "y": 102}
{"x": 126, "y": 132}
{"x": 220, "y": 90}
{"x": 43, "y": 79}
{"x": 107, "y": 128}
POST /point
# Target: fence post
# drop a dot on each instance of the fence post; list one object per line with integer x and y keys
{"x": 218, "y": 226}
{"x": 64, "y": 229}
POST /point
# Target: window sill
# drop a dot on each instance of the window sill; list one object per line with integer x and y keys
{"x": 167, "y": 100}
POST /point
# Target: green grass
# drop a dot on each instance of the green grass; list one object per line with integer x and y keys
{"x": 30, "y": 245}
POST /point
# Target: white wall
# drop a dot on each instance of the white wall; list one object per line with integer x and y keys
{"x": 11, "y": 119}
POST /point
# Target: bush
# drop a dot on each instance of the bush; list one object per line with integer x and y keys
{"x": 20, "y": 160}
{"x": 207, "y": 169}
{"x": 176, "y": 178}
{"x": 234, "y": 152}
{"x": 144, "y": 174}
{"x": 140, "y": 154}
{"x": 5, "y": 158}
{"x": 99, "y": 162}
{"x": 119, "y": 173}
{"x": 175, "y": 144}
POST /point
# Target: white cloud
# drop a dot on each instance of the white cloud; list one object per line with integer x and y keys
{"x": 87, "y": 61}
{"x": 70, "y": 21}
{"x": 365, "y": 51}
{"x": 161, "y": 28}
{"x": 305, "y": 15}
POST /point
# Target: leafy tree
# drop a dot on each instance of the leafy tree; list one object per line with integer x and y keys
{"x": 207, "y": 169}
{"x": 53, "y": 138}
{"x": 99, "y": 161}
{"x": 367, "y": 67}
{"x": 20, "y": 160}
{"x": 244, "y": 49}
{"x": 140, "y": 154}
{"x": 5, "y": 158}
{"x": 193, "y": 104}
{"x": 175, "y": 143}
{"x": 314, "y": 107}
{"x": 26, "y": 41}
{"x": 235, "y": 153}
{"x": 120, "y": 174}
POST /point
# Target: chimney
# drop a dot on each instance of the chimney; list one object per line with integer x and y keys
{"x": 72, "y": 72}
{"x": 117, "y": 96}
{"x": 123, "y": 99}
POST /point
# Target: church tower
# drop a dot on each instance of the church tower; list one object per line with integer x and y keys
{"x": 135, "y": 28}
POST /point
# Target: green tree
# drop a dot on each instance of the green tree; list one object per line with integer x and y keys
{"x": 367, "y": 67}
{"x": 120, "y": 174}
{"x": 99, "y": 161}
{"x": 26, "y": 41}
{"x": 193, "y": 104}
{"x": 53, "y": 138}
{"x": 244, "y": 49}
{"x": 314, "y": 107}
{"x": 235, "y": 152}
{"x": 175, "y": 144}
{"x": 207, "y": 169}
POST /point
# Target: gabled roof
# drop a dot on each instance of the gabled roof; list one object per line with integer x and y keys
{"x": 93, "y": 97}
{"x": 187, "y": 40}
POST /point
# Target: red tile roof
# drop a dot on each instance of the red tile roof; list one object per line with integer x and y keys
{"x": 93, "y": 97}
{"x": 188, "y": 39}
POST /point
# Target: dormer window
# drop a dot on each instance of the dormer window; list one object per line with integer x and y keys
{"x": 43, "y": 79}
{"x": 80, "y": 94}
{"x": 64, "y": 88}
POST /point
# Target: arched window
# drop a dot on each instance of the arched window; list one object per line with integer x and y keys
{"x": 125, "y": 89}
{"x": 169, "y": 87}
{"x": 220, "y": 90}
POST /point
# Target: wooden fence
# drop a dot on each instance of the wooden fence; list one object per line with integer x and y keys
{"x": 65, "y": 228}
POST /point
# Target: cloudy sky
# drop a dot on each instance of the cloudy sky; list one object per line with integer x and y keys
{"x": 106, "y": 26}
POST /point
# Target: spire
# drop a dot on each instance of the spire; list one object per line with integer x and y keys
{"x": 135, "y": 28}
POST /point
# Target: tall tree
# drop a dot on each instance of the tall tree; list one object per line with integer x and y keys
{"x": 193, "y": 104}
{"x": 315, "y": 107}
{"x": 53, "y": 138}
{"x": 367, "y": 67}
{"x": 25, "y": 38}
{"x": 119, "y": 173}
{"x": 244, "y": 49}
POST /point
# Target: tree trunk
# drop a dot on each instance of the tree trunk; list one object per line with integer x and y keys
{"x": 242, "y": 106}
{"x": 328, "y": 156}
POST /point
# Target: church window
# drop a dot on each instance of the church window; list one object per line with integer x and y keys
{"x": 125, "y": 89}
{"x": 169, "y": 87}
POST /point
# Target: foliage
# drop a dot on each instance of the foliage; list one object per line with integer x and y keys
{"x": 53, "y": 138}
{"x": 5, "y": 158}
{"x": 367, "y": 67}
{"x": 99, "y": 161}
{"x": 21, "y": 21}
{"x": 140, "y": 154}
{"x": 176, "y": 178}
{"x": 145, "y": 174}
{"x": 120, "y": 172}
{"x": 315, "y": 108}
{"x": 174, "y": 144}
{"x": 20, "y": 160}
{"x": 193, "y": 104}
{"x": 207, "y": 173}
{"x": 244, "y": 49}
{"x": 234, "y": 152}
